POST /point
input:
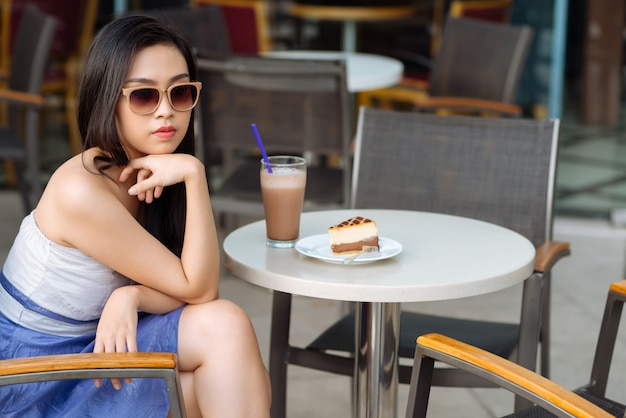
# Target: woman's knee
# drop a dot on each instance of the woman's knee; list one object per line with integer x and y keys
{"x": 220, "y": 315}
{"x": 233, "y": 315}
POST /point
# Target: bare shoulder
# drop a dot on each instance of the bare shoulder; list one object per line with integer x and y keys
{"x": 75, "y": 192}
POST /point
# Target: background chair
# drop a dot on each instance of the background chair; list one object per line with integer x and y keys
{"x": 477, "y": 70}
{"x": 549, "y": 397}
{"x": 97, "y": 365}
{"x": 203, "y": 27}
{"x": 19, "y": 138}
{"x": 416, "y": 41}
{"x": 492, "y": 169}
{"x": 498, "y": 11}
{"x": 77, "y": 22}
{"x": 247, "y": 22}
{"x": 299, "y": 107}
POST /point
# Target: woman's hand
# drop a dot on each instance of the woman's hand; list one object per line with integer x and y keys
{"x": 117, "y": 328}
{"x": 154, "y": 172}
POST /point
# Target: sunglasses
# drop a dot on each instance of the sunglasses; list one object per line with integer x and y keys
{"x": 145, "y": 100}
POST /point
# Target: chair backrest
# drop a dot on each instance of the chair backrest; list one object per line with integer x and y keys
{"x": 77, "y": 21}
{"x": 497, "y": 170}
{"x": 31, "y": 50}
{"x": 202, "y": 27}
{"x": 299, "y": 107}
{"x": 247, "y": 22}
{"x": 32, "y": 45}
{"x": 478, "y": 59}
{"x": 489, "y": 10}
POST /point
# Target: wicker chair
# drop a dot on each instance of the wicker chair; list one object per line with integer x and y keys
{"x": 203, "y": 27}
{"x": 19, "y": 139}
{"x": 247, "y": 22}
{"x": 489, "y": 10}
{"x": 550, "y": 399}
{"x": 299, "y": 107}
{"x": 97, "y": 366}
{"x": 499, "y": 170}
{"x": 477, "y": 71}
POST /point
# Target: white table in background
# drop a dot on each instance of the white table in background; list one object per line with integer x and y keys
{"x": 443, "y": 257}
{"x": 363, "y": 71}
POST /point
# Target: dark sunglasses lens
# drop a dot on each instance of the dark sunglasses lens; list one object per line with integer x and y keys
{"x": 144, "y": 100}
{"x": 183, "y": 97}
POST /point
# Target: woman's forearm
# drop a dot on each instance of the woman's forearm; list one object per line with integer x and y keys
{"x": 200, "y": 255}
{"x": 151, "y": 301}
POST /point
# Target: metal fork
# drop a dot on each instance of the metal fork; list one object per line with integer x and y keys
{"x": 364, "y": 249}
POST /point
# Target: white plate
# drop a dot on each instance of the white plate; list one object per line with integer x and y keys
{"x": 318, "y": 246}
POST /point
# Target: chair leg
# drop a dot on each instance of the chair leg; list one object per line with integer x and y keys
{"x": 419, "y": 391}
{"x": 606, "y": 344}
{"x": 530, "y": 329}
{"x": 545, "y": 334}
{"x": 279, "y": 352}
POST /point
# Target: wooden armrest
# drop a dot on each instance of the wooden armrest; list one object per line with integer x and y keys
{"x": 508, "y": 371}
{"x": 618, "y": 287}
{"x": 87, "y": 361}
{"x": 396, "y": 93}
{"x": 407, "y": 91}
{"x": 414, "y": 83}
{"x": 549, "y": 253}
{"x": 468, "y": 104}
{"x": 21, "y": 97}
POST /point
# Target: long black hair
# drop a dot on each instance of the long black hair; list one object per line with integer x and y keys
{"x": 107, "y": 63}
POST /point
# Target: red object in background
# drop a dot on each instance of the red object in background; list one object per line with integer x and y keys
{"x": 242, "y": 29}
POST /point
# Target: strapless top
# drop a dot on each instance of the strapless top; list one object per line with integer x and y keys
{"x": 52, "y": 288}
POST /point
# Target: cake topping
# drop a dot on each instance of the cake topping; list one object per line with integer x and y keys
{"x": 356, "y": 220}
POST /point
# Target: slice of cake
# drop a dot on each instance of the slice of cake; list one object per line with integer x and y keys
{"x": 352, "y": 234}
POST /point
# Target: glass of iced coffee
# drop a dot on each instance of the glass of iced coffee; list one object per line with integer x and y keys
{"x": 283, "y": 180}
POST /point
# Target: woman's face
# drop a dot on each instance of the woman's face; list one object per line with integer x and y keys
{"x": 161, "y": 131}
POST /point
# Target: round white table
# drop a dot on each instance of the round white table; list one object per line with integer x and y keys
{"x": 443, "y": 257}
{"x": 363, "y": 71}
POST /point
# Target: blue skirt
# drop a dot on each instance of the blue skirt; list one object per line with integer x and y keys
{"x": 80, "y": 398}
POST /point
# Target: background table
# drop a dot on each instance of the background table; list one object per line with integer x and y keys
{"x": 363, "y": 71}
{"x": 444, "y": 257}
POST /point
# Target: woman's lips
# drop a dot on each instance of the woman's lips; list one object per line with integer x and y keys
{"x": 165, "y": 132}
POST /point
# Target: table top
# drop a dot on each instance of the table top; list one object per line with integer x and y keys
{"x": 443, "y": 257}
{"x": 363, "y": 71}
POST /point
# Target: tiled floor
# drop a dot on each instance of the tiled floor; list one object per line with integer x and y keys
{"x": 592, "y": 182}
{"x": 591, "y": 179}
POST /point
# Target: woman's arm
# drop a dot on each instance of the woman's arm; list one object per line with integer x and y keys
{"x": 151, "y": 301}
{"x": 90, "y": 212}
{"x": 200, "y": 255}
{"x": 117, "y": 327}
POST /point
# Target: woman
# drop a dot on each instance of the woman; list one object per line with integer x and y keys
{"x": 127, "y": 227}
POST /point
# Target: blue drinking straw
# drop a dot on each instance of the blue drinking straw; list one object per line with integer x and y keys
{"x": 260, "y": 144}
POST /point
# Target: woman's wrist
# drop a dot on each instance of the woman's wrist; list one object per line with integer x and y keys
{"x": 128, "y": 295}
{"x": 196, "y": 172}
